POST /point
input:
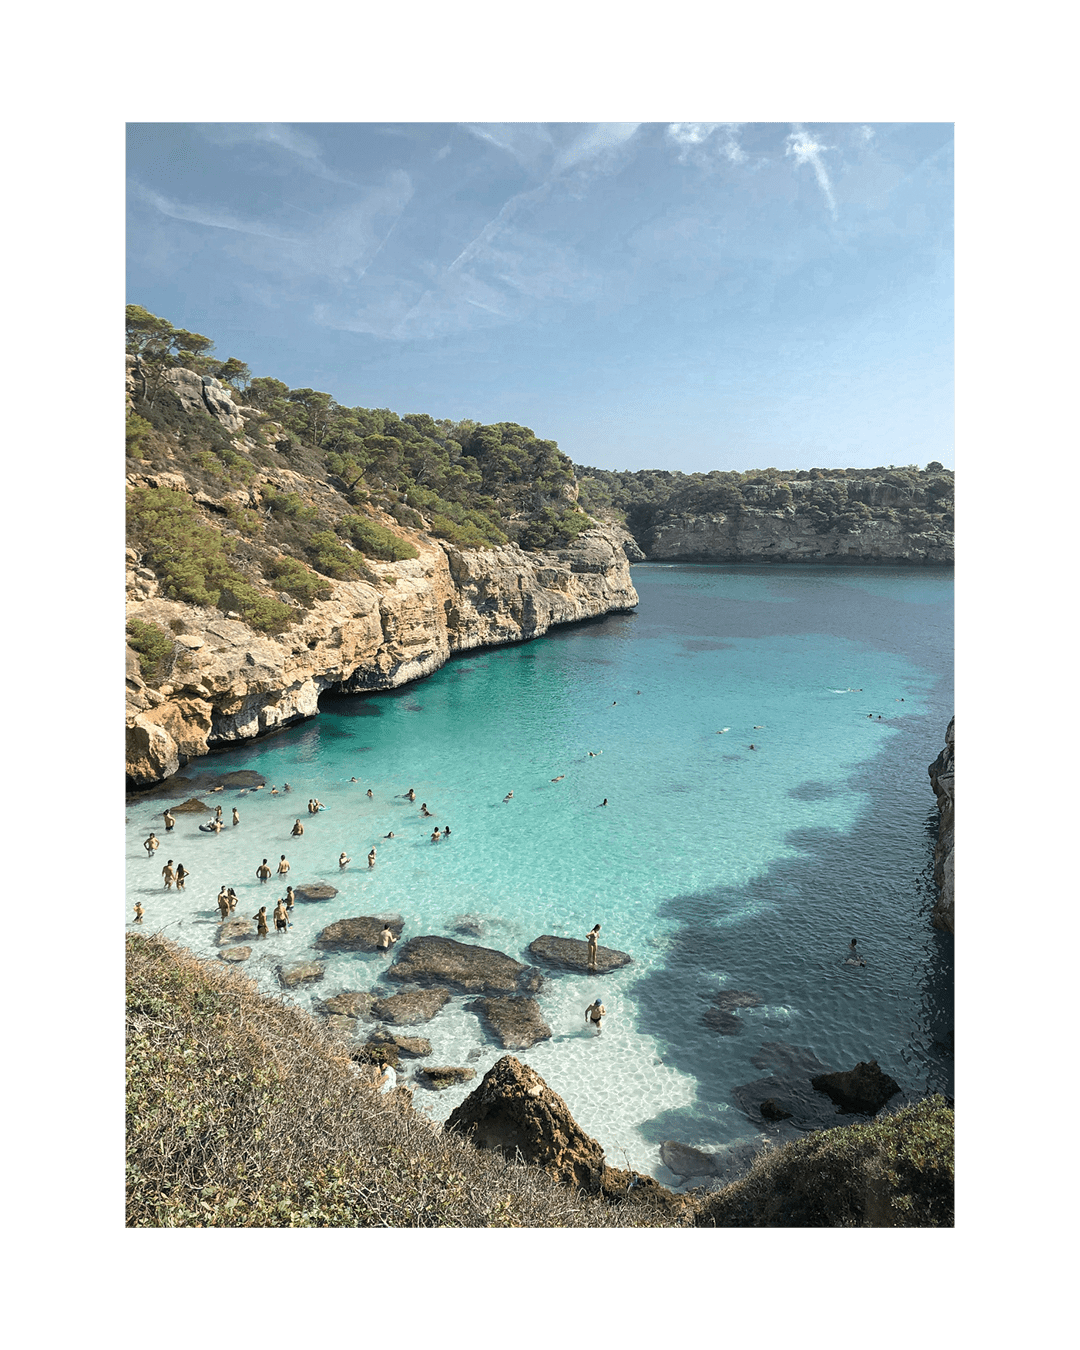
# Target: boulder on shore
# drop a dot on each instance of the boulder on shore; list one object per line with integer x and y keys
{"x": 301, "y": 972}
{"x": 349, "y": 1003}
{"x": 446, "y": 1076}
{"x": 360, "y": 934}
{"x": 314, "y": 892}
{"x": 232, "y": 930}
{"x": 462, "y": 967}
{"x": 411, "y": 1007}
{"x": 516, "y": 1020}
{"x": 573, "y": 954}
{"x": 864, "y": 1089}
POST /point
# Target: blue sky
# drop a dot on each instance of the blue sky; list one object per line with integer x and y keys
{"x": 689, "y": 296}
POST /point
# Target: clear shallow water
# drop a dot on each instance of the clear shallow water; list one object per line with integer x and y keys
{"x": 715, "y": 866}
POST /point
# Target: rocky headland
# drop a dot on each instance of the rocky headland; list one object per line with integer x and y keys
{"x": 941, "y": 777}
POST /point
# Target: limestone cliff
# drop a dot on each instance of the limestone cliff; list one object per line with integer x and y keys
{"x": 228, "y": 683}
{"x": 941, "y": 777}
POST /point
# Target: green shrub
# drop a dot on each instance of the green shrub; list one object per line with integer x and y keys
{"x": 154, "y": 645}
{"x": 136, "y": 430}
{"x": 330, "y": 557}
{"x": 287, "y": 574}
{"x": 375, "y": 540}
{"x": 552, "y": 528}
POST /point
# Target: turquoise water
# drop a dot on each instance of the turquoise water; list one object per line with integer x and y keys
{"x": 713, "y": 865}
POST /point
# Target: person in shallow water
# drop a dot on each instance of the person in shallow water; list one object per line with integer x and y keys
{"x": 290, "y": 898}
{"x": 260, "y": 918}
{"x": 371, "y": 858}
{"x": 593, "y": 1014}
{"x": 386, "y": 939}
{"x": 283, "y": 866}
{"x": 591, "y": 938}
{"x": 371, "y": 794}
{"x": 435, "y": 835}
{"x": 853, "y": 956}
{"x": 169, "y": 875}
{"x": 182, "y": 875}
{"x": 281, "y": 916}
{"x": 223, "y": 903}
{"x": 234, "y": 900}
{"x": 152, "y": 844}
{"x": 410, "y": 795}
{"x": 344, "y": 859}
{"x": 170, "y": 820}
{"x": 298, "y": 828}
{"x": 263, "y": 871}
{"x": 235, "y": 816}
{"x": 138, "y": 912}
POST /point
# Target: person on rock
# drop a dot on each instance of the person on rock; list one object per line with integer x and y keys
{"x": 169, "y": 875}
{"x": 263, "y": 871}
{"x": 281, "y": 916}
{"x": 591, "y": 937}
{"x": 260, "y": 919}
{"x": 594, "y": 1012}
{"x": 283, "y": 867}
{"x": 152, "y": 844}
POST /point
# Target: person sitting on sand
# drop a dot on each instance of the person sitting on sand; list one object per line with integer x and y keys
{"x": 152, "y": 844}
{"x": 262, "y": 871}
{"x": 386, "y": 939}
{"x": 182, "y": 875}
{"x": 591, "y": 939}
{"x": 169, "y": 875}
{"x": 593, "y": 1014}
{"x": 261, "y": 920}
{"x": 281, "y": 916}
{"x": 138, "y": 912}
{"x": 170, "y": 820}
{"x": 298, "y": 828}
{"x": 283, "y": 867}
{"x": 343, "y": 859}
{"x": 371, "y": 858}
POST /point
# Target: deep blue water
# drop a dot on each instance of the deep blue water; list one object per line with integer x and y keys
{"x": 715, "y": 866}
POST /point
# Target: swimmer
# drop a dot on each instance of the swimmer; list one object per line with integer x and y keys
{"x": 371, "y": 858}
{"x": 262, "y": 871}
{"x": 637, "y": 691}
{"x": 217, "y": 789}
{"x": 593, "y": 1014}
{"x": 446, "y": 832}
{"x": 425, "y": 812}
{"x": 410, "y": 795}
{"x": 853, "y": 957}
{"x": 559, "y": 779}
{"x": 290, "y": 898}
{"x": 283, "y": 867}
{"x": 298, "y": 828}
{"x": 614, "y": 702}
{"x": 273, "y": 792}
{"x": 508, "y": 796}
{"x": 285, "y": 787}
{"x": 354, "y": 780}
{"x": 435, "y": 835}
{"x": 722, "y": 730}
{"x": 170, "y": 820}
{"x": 389, "y": 836}
{"x": 753, "y": 747}
{"x": 592, "y": 754}
{"x": 138, "y": 912}
{"x": 370, "y": 794}
{"x": 152, "y": 844}
{"x": 169, "y": 875}
{"x": 604, "y": 802}
{"x": 591, "y": 938}
{"x": 235, "y": 816}
{"x": 281, "y": 917}
{"x": 217, "y": 812}
{"x": 261, "y": 919}
{"x": 386, "y": 939}
{"x": 234, "y": 900}
{"x": 319, "y": 806}
{"x": 182, "y": 875}
{"x": 757, "y": 728}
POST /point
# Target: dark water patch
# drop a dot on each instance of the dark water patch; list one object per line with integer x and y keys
{"x": 813, "y": 791}
{"x": 707, "y": 645}
{"x": 350, "y": 705}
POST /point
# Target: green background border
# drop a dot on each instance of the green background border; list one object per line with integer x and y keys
{"x": 575, "y": 64}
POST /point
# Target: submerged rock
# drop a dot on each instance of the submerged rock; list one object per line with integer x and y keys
{"x": 242, "y": 778}
{"x": 573, "y": 953}
{"x": 685, "y": 1161}
{"x": 789, "y": 1087}
{"x": 234, "y": 954}
{"x": 341, "y": 1026}
{"x": 314, "y": 892}
{"x": 864, "y": 1089}
{"x": 349, "y": 1003}
{"x": 727, "y": 1024}
{"x": 412, "y": 1047}
{"x": 357, "y": 935}
{"x": 722, "y": 1018}
{"x": 301, "y": 972}
{"x": 232, "y": 930}
{"x": 411, "y": 1007}
{"x": 771, "y": 1109}
{"x": 460, "y": 966}
{"x": 471, "y": 925}
{"x": 446, "y": 1076}
{"x": 517, "y": 1021}
{"x": 190, "y": 807}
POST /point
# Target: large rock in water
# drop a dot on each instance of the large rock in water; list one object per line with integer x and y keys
{"x": 573, "y": 954}
{"x": 722, "y": 1017}
{"x": 300, "y": 972}
{"x": 350, "y": 1003}
{"x": 357, "y": 935}
{"x": 516, "y": 1021}
{"x": 412, "y": 1047}
{"x": 411, "y": 1007}
{"x": 235, "y": 954}
{"x": 468, "y": 969}
{"x": 314, "y": 892}
{"x": 190, "y": 807}
{"x": 232, "y": 930}
{"x": 685, "y": 1161}
{"x": 445, "y": 1076}
{"x": 514, "y": 1110}
{"x": 864, "y": 1089}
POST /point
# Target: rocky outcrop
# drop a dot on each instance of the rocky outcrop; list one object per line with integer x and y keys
{"x": 235, "y": 954}
{"x": 228, "y": 683}
{"x": 232, "y": 930}
{"x": 517, "y": 1022}
{"x": 941, "y": 778}
{"x": 301, "y": 972}
{"x": 572, "y": 954}
{"x": 357, "y": 935}
{"x": 412, "y": 1047}
{"x": 444, "y": 1076}
{"x": 411, "y": 1007}
{"x": 462, "y": 967}
{"x": 863, "y": 1090}
{"x": 315, "y": 892}
{"x": 350, "y": 1003}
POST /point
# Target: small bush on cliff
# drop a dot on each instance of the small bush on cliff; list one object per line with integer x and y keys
{"x": 375, "y": 540}
{"x": 154, "y": 645}
{"x": 243, "y": 1112}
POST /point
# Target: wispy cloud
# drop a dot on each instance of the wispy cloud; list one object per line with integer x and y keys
{"x": 213, "y": 217}
{"x": 806, "y": 150}
{"x": 696, "y": 143}
{"x": 280, "y": 135}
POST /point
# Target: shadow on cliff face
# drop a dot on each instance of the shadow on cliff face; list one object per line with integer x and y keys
{"x": 783, "y": 938}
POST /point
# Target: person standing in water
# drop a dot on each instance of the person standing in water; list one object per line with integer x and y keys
{"x": 235, "y": 816}
{"x": 344, "y": 859}
{"x": 371, "y": 794}
{"x": 151, "y": 845}
{"x": 169, "y": 875}
{"x": 138, "y": 912}
{"x": 591, "y": 937}
{"x": 298, "y": 828}
{"x": 386, "y": 939}
{"x": 234, "y": 900}
{"x": 371, "y": 858}
{"x": 281, "y": 916}
{"x": 263, "y": 871}
{"x": 223, "y": 903}
{"x": 260, "y": 919}
{"x": 283, "y": 867}
{"x": 170, "y": 821}
{"x": 594, "y": 1012}
{"x": 290, "y": 898}
{"x": 182, "y": 875}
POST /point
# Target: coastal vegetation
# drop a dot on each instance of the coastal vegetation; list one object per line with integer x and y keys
{"x": 244, "y": 1111}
